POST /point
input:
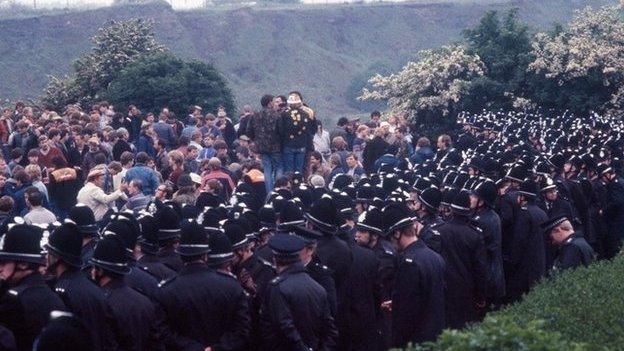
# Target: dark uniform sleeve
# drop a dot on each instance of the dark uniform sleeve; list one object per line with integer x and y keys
{"x": 325, "y": 280}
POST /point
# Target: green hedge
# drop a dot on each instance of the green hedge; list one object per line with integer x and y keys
{"x": 574, "y": 310}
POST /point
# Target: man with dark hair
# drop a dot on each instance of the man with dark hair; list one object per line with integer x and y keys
{"x": 295, "y": 314}
{"x": 262, "y": 129}
{"x": 137, "y": 200}
{"x": 26, "y": 300}
{"x": 37, "y": 214}
{"x": 164, "y": 131}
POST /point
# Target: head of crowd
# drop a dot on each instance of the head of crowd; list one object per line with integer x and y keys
{"x": 141, "y": 200}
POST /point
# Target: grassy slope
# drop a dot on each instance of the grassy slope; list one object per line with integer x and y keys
{"x": 315, "y": 49}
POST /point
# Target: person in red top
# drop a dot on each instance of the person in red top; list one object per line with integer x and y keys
{"x": 214, "y": 172}
{"x": 47, "y": 152}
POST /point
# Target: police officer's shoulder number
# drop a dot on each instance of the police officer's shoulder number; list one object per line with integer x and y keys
{"x": 277, "y": 280}
{"x": 266, "y": 263}
{"x": 166, "y": 281}
{"x": 227, "y": 274}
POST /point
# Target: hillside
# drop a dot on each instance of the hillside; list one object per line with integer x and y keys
{"x": 318, "y": 50}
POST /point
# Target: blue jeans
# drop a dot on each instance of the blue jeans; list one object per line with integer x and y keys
{"x": 293, "y": 159}
{"x": 273, "y": 169}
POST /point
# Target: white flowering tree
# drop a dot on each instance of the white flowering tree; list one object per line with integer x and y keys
{"x": 115, "y": 46}
{"x": 434, "y": 83}
{"x": 583, "y": 64}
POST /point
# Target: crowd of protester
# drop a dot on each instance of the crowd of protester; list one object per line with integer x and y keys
{"x": 164, "y": 232}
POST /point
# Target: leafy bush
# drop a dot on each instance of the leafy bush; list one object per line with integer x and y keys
{"x": 501, "y": 334}
{"x": 575, "y": 310}
{"x": 164, "y": 80}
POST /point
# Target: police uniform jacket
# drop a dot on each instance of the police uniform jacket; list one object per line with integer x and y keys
{"x": 463, "y": 250}
{"x": 170, "y": 258}
{"x": 205, "y": 308}
{"x": 358, "y": 327}
{"x": 25, "y": 309}
{"x": 574, "y": 252}
{"x": 323, "y": 276}
{"x": 136, "y": 315}
{"x": 295, "y": 314}
{"x": 335, "y": 254}
{"x": 140, "y": 280}
{"x": 527, "y": 261}
{"x": 418, "y": 296}
{"x": 387, "y": 257}
{"x": 508, "y": 213}
{"x": 156, "y": 268}
{"x": 490, "y": 223}
{"x": 88, "y": 302}
{"x": 614, "y": 211}
{"x": 429, "y": 233}
{"x": 261, "y": 273}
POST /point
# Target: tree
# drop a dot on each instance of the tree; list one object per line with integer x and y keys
{"x": 505, "y": 49}
{"x": 581, "y": 68}
{"x": 115, "y": 46}
{"x": 162, "y": 79}
{"x": 429, "y": 88}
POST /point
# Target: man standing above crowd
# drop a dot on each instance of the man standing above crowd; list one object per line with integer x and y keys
{"x": 262, "y": 129}
{"x": 295, "y": 128}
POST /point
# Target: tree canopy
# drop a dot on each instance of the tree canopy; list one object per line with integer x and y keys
{"x": 115, "y": 46}
{"x": 161, "y": 79}
{"x": 501, "y": 64}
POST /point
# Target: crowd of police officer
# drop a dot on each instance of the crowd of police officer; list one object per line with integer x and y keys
{"x": 393, "y": 258}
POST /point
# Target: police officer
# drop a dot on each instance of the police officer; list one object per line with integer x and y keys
{"x": 148, "y": 254}
{"x": 313, "y": 266}
{"x": 253, "y": 273}
{"x": 138, "y": 278}
{"x": 417, "y": 303}
{"x": 205, "y": 309}
{"x": 26, "y": 300}
{"x": 81, "y": 296}
{"x": 574, "y": 251}
{"x": 65, "y": 331}
{"x": 136, "y": 315}
{"x": 295, "y": 314}
{"x": 370, "y": 233}
{"x": 168, "y": 223}
{"x": 85, "y": 220}
{"x": 463, "y": 250}
{"x": 426, "y": 207}
{"x": 333, "y": 252}
{"x": 482, "y": 202}
{"x": 527, "y": 257}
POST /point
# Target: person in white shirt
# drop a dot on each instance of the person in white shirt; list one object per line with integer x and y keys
{"x": 321, "y": 141}
{"x": 95, "y": 198}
